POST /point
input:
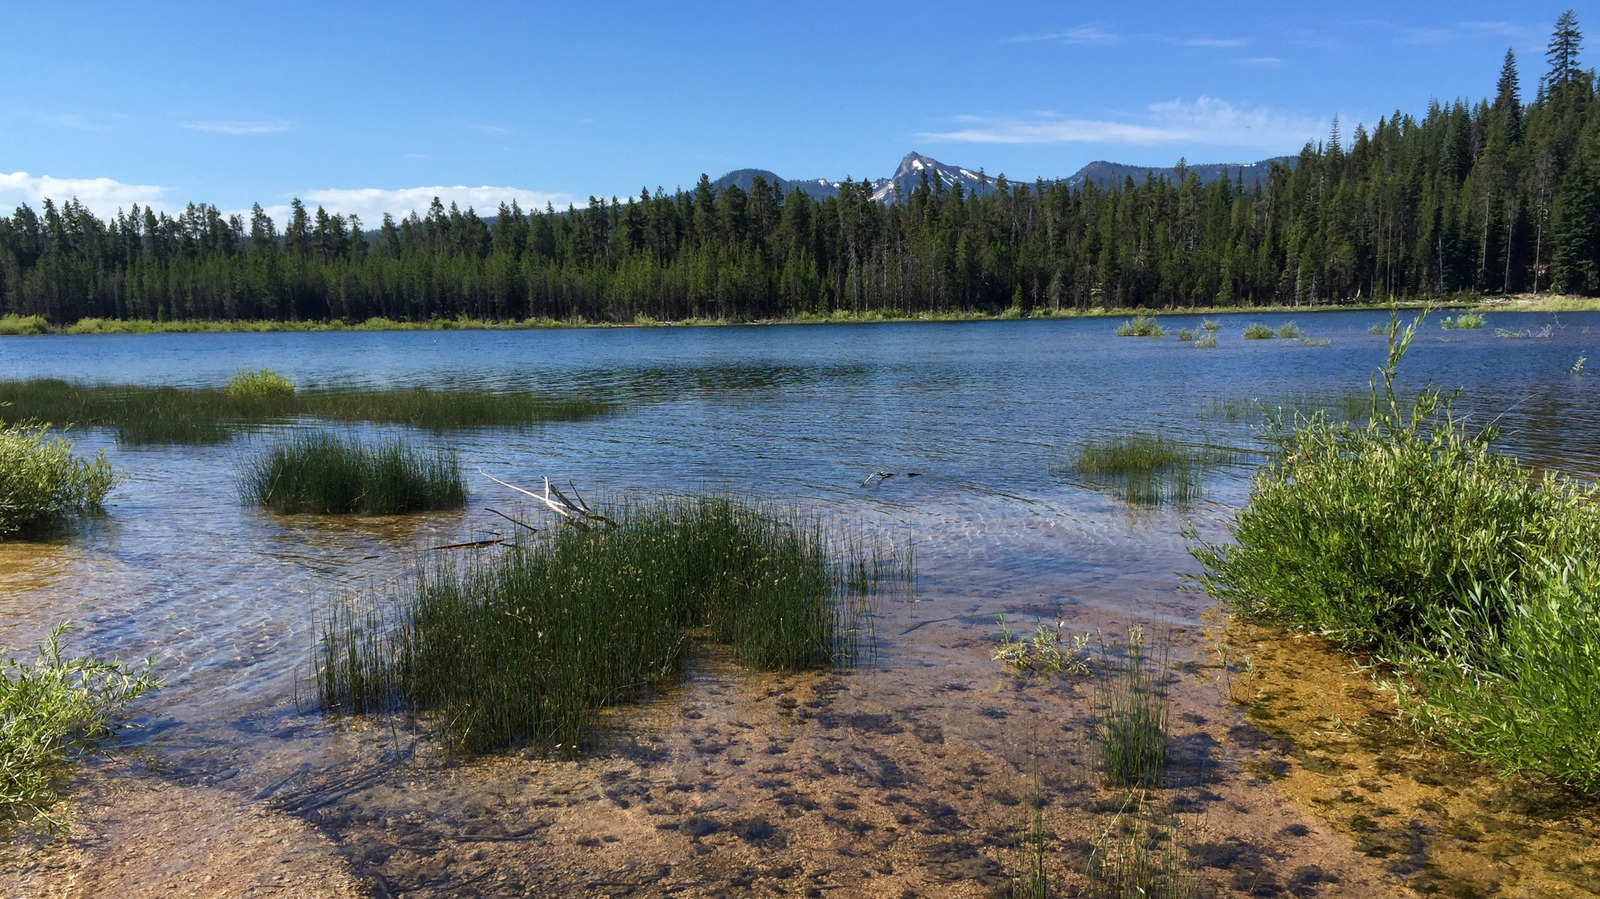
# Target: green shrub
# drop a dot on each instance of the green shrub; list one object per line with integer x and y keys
{"x": 263, "y": 384}
{"x": 1465, "y": 321}
{"x": 23, "y": 325}
{"x": 1141, "y": 326}
{"x": 1412, "y": 538}
{"x": 527, "y": 646}
{"x": 50, "y": 710}
{"x": 1258, "y": 331}
{"x": 42, "y": 482}
{"x": 327, "y": 475}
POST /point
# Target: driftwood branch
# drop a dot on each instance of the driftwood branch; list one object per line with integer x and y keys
{"x": 578, "y": 513}
{"x": 880, "y": 475}
{"x": 516, "y": 521}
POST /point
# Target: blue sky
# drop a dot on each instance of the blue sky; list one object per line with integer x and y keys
{"x": 367, "y": 107}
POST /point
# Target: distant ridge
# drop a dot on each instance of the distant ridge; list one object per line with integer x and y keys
{"x": 908, "y": 175}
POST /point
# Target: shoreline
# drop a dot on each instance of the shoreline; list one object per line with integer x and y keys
{"x": 36, "y": 326}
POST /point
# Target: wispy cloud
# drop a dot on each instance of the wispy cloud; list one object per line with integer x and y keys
{"x": 1205, "y": 121}
{"x": 1259, "y": 62}
{"x": 1216, "y": 43}
{"x": 103, "y": 196}
{"x": 1091, "y": 33}
{"x": 370, "y": 203}
{"x": 496, "y": 130}
{"x": 237, "y": 126}
{"x": 1521, "y": 34}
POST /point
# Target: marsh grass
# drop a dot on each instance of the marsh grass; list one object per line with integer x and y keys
{"x": 52, "y": 710}
{"x": 143, "y": 415}
{"x": 43, "y": 482}
{"x": 527, "y": 647}
{"x": 1141, "y": 858}
{"x": 1208, "y": 341}
{"x": 1410, "y": 538}
{"x": 1141, "y": 326}
{"x": 1210, "y": 325}
{"x": 328, "y": 475}
{"x": 1347, "y": 406}
{"x": 1185, "y": 335}
{"x": 1290, "y": 331}
{"x": 1130, "y": 728}
{"x": 1149, "y": 469}
{"x": 1464, "y": 321}
{"x": 1386, "y": 329}
{"x": 1258, "y": 331}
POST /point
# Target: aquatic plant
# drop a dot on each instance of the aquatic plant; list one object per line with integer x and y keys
{"x": 1465, "y": 321}
{"x": 50, "y": 711}
{"x": 1314, "y": 341}
{"x": 1141, "y": 325}
{"x": 1142, "y": 855}
{"x": 1130, "y": 728}
{"x": 1577, "y": 367}
{"x": 1258, "y": 331}
{"x": 1048, "y": 651}
{"x": 1210, "y": 325}
{"x": 1186, "y": 335}
{"x": 1411, "y": 537}
{"x": 1207, "y": 342}
{"x": 1383, "y": 328}
{"x": 263, "y": 384}
{"x": 1149, "y": 469}
{"x": 328, "y": 475}
{"x": 529, "y": 645}
{"x": 1289, "y": 331}
{"x": 43, "y": 482}
{"x": 143, "y": 415}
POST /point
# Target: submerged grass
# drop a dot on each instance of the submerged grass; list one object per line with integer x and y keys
{"x": 1130, "y": 726}
{"x": 143, "y": 415}
{"x": 1149, "y": 469}
{"x": 51, "y": 710}
{"x": 328, "y": 475}
{"x": 529, "y": 646}
{"x": 43, "y": 482}
{"x": 1411, "y": 538}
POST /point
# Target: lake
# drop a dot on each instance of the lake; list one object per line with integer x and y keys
{"x": 985, "y": 414}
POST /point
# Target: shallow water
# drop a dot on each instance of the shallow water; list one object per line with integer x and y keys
{"x": 984, "y": 413}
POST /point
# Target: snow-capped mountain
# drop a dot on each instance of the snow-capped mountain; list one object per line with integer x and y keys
{"x": 914, "y": 166}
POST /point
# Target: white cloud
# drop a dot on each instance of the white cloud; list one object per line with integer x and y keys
{"x": 371, "y": 203}
{"x": 1205, "y": 121}
{"x": 1082, "y": 34}
{"x": 1259, "y": 62}
{"x": 237, "y": 126}
{"x": 103, "y": 196}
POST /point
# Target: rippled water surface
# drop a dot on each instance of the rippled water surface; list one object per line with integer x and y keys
{"x": 984, "y": 413}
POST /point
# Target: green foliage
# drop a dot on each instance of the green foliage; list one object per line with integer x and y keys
{"x": 1465, "y": 321}
{"x": 527, "y": 646}
{"x": 1409, "y": 536}
{"x": 1290, "y": 331}
{"x": 263, "y": 384}
{"x": 1141, "y": 326}
{"x": 1258, "y": 331}
{"x": 326, "y": 475}
{"x": 20, "y": 325}
{"x": 1048, "y": 651}
{"x": 42, "y": 482}
{"x": 1149, "y": 469}
{"x": 1186, "y": 335}
{"x": 1130, "y": 727}
{"x": 162, "y": 415}
{"x": 51, "y": 710}
{"x": 1210, "y": 325}
{"x": 1385, "y": 329}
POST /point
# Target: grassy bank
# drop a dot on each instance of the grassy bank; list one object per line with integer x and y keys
{"x": 529, "y": 646}
{"x": 1410, "y": 538}
{"x": 155, "y": 415}
{"x": 51, "y": 710}
{"x": 42, "y": 482}
{"x": 328, "y": 475}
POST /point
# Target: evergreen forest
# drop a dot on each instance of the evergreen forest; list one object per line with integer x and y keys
{"x": 1501, "y": 195}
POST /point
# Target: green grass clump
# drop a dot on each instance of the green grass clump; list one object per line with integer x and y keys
{"x": 144, "y": 415}
{"x": 1290, "y": 331}
{"x": 1149, "y": 469}
{"x": 1208, "y": 341}
{"x": 1410, "y": 537}
{"x": 327, "y": 475}
{"x": 528, "y": 646}
{"x": 1210, "y": 325}
{"x": 51, "y": 710}
{"x": 1383, "y": 328}
{"x": 15, "y": 325}
{"x": 1130, "y": 717}
{"x": 1141, "y": 326}
{"x": 1465, "y": 321}
{"x": 1258, "y": 331}
{"x": 262, "y": 384}
{"x": 1186, "y": 335}
{"x": 42, "y": 482}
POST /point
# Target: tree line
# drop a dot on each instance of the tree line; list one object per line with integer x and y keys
{"x": 1498, "y": 196}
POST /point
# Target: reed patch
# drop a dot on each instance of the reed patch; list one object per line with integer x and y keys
{"x": 325, "y": 474}
{"x": 529, "y": 646}
{"x": 1148, "y": 468}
